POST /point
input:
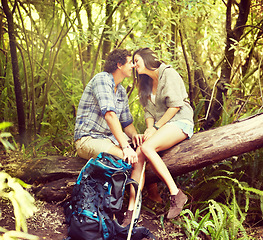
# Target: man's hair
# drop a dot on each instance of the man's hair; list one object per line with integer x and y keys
{"x": 115, "y": 57}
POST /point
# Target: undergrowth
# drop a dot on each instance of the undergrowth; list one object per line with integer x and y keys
{"x": 225, "y": 199}
{"x": 14, "y": 191}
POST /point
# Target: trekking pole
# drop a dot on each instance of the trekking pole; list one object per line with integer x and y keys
{"x": 136, "y": 201}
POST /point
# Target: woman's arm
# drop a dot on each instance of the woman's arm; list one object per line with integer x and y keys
{"x": 149, "y": 122}
{"x": 168, "y": 115}
{"x": 153, "y": 127}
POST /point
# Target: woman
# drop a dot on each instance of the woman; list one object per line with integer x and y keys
{"x": 169, "y": 120}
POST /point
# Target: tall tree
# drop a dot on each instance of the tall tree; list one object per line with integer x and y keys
{"x": 15, "y": 68}
{"x": 106, "y": 25}
{"x": 233, "y": 36}
{"x": 88, "y": 7}
{"x": 106, "y": 45}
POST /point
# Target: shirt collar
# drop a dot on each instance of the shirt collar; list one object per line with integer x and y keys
{"x": 113, "y": 83}
{"x": 112, "y": 79}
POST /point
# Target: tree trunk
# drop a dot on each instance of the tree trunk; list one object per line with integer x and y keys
{"x": 106, "y": 46}
{"x": 15, "y": 68}
{"x": 173, "y": 32}
{"x": 232, "y": 37}
{"x": 88, "y": 8}
{"x": 102, "y": 37}
{"x": 198, "y": 71}
{"x": 246, "y": 66}
{"x": 190, "y": 79}
{"x": 54, "y": 176}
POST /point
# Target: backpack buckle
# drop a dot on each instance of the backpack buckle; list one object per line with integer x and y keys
{"x": 106, "y": 185}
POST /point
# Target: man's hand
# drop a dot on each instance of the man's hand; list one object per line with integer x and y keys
{"x": 137, "y": 140}
{"x": 130, "y": 155}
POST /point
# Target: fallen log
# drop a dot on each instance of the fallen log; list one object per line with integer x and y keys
{"x": 53, "y": 176}
{"x": 209, "y": 147}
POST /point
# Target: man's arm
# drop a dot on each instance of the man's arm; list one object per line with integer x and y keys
{"x": 131, "y": 132}
{"x": 116, "y": 129}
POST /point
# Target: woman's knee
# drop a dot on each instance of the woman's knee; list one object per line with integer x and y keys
{"x": 146, "y": 148}
{"x": 140, "y": 154}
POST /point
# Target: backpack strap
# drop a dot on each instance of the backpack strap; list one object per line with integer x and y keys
{"x": 138, "y": 207}
{"x": 102, "y": 225}
{"x": 102, "y": 216}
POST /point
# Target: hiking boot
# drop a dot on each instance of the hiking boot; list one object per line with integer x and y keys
{"x": 176, "y": 204}
{"x": 127, "y": 218}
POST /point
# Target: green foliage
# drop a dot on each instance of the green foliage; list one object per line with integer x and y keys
{"x": 5, "y": 135}
{"x": 229, "y": 112}
{"x": 228, "y": 191}
{"x": 217, "y": 220}
{"x": 23, "y": 204}
{"x": 58, "y": 54}
{"x": 191, "y": 225}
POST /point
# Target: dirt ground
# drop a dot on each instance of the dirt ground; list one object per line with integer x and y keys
{"x": 48, "y": 222}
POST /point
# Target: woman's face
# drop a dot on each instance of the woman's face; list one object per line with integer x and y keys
{"x": 139, "y": 64}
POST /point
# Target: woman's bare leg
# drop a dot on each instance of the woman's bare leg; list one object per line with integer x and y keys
{"x": 164, "y": 138}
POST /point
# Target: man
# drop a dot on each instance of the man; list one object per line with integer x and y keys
{"x": 103, "y": 112}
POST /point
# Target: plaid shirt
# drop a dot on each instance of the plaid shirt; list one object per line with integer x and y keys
{"x": 97, "y": 99}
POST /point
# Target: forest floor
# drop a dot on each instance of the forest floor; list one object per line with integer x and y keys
{"x": 48, "y": 221}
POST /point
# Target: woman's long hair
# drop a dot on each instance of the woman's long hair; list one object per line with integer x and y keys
{"x": 143, "y": 81}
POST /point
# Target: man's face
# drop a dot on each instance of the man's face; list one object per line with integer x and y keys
{"x": 126, "y": 69}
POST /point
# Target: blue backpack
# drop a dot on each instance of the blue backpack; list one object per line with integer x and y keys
{"x": 97, "y": 196}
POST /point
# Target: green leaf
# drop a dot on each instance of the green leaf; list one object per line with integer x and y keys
{"x": 4, "y": 125}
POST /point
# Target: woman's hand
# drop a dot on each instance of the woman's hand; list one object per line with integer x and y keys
{"x": 148, "y": 133}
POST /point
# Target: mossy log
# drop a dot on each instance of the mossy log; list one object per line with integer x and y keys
{"x": 53, "y": 177}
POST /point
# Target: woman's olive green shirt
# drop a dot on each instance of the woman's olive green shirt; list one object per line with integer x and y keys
{"x": 171, "y": 92}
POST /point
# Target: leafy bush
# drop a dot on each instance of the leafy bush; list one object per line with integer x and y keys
{"x": 23, "y": 203}
{"x": 5, "y": 135}
{"x": 217, "y": 220}
{"x": 223, "y": 209}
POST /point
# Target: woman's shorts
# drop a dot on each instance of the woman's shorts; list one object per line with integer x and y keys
{"x": 89, "y": 147}
{"x": 186, "y": 126}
